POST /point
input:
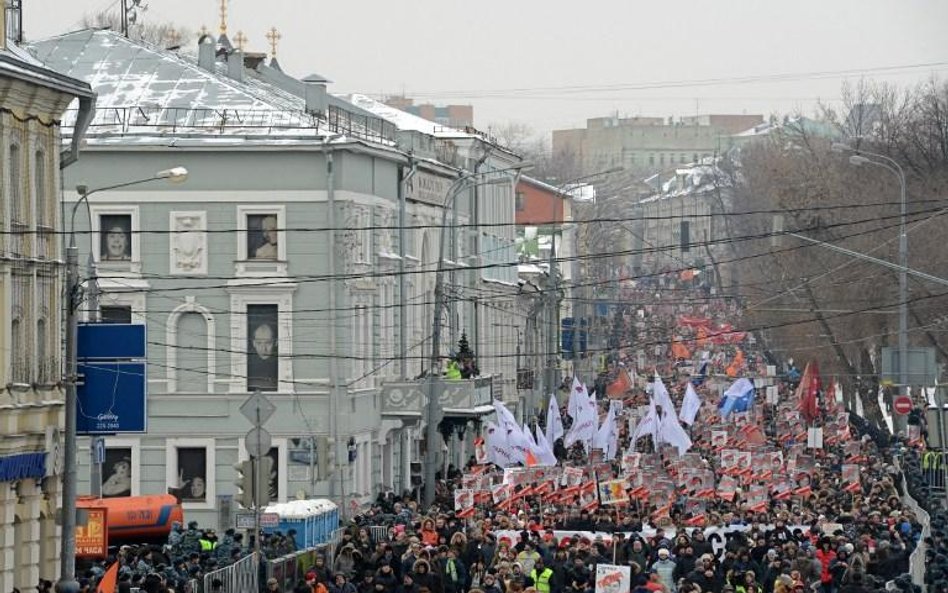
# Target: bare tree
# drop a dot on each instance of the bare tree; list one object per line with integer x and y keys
{"x": 164, "y": 35}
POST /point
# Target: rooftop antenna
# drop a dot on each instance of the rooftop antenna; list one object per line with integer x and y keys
{"x": 274, "y": 37}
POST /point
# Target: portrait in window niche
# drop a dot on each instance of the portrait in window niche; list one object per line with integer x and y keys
{"x": 262, "y": 353}
{"x": 117, "y": 472}
{"x": 262, "y": 236}
{"x": 191, "y": 483}
{"x": 274, "y": 481}
{"x": 115, "y": 237}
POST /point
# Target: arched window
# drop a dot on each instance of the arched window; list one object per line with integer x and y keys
{"x": 192, "y": 353}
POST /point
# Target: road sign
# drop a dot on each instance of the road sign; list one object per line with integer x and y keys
{"x": 258, "y": 442}
{"x": 245, "y": 520}
{"x": 111, "y": 397}
{"x": 269, "y": 520}
{"x": 902, "y": 405}
{"x": 110, "y": 341}
{"x": 258, "y": 409}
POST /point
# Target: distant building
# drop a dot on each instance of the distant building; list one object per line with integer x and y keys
{"x": 454, "y": 116}
{"x": 648, "y": 144}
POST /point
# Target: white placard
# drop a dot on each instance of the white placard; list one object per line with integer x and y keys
{"x": 613, "y": 579}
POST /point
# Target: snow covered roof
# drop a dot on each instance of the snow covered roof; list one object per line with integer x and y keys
{"x": 301, "y": 509}
{"x": 402, "y": 119}
{"x": 695, "y": 179}
{"x": 16, "y": 62}
{"x": 146, "y": 90}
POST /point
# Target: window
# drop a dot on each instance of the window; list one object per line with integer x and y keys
{"x": 191, "y": 353}
{"x": 47, "y": 336}
{"x": 21, "y": 329}
{"x": 684, "y": 236}
{"x": 262, "y": 347}
{"x": 651, "y": 159}
{"x": 45, "y": 204}
{"x": 694, "y": 157}
{"x": 189, "y": 471}
{"x": 19, "y": 204}
{"x": 117, "y": 472}
{"x": 682, "y": 158}
{"x": 115, "y": 231}
{"x": 661, "y": 159}
{"x": 115, "y": 313}
{"x": 519, "y": 198}
{"x": 361, "y": 345}
{"x": 262, "y": 236}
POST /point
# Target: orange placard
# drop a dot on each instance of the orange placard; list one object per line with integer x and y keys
{"x": 92, "y": 539}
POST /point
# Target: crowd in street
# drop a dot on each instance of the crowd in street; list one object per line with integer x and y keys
{"x": 776, "y": 494}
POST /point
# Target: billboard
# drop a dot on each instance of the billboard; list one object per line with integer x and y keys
{"x": 92, "y": 534}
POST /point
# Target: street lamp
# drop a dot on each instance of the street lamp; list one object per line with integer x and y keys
{"x": 860, "y": 158}
{"x": 433, "y": 411}
{"x": 67, "y": 559}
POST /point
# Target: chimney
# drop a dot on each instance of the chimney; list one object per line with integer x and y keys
{"x": 206, "y": 51}
{"x": 315, "y": 95}
{"x": 235, "y": 65}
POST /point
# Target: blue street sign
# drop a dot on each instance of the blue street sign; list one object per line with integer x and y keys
{"x": 110, "y": 341}
{"x": 111, "y": 397}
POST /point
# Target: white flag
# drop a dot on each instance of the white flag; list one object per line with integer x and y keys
{"x": 648, "y": 425}
{"x": 690, "y": 405}
{"x": 671, "y": 432}
{"x": 584, "y": 427}
{"x": 518, "y": 442}
{"x": 578, "y": 399}
{"x": 607, "y": 436}
{"x": 660, "y": 394}
{"x": 544, "y": 453}
{"x": 498, "y": 452}
{"x": 554, "y": 422}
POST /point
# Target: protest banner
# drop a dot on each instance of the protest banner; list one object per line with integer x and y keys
{"x": 613, "y": 579}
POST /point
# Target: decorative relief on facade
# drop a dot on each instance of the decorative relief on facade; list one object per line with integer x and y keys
{"x": 188, "y": 243}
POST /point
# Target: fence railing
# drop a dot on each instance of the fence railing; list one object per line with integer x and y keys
{"x": 289, "y": 570}
{"x": 239, "y": 577}
{"x": 917, "y": 558}
{"x": 378, "y": 533}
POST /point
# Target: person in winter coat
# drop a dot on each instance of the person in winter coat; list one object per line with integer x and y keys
{"x": 827, "y": 557}
{"x": 491, "y": 584}
{"x": 665, "y": 567}
{"x": 429, "y": 535}
{"x": 453, "y": 573}
{"x": 408, "y": 585}
{"x": 386, "y": 576}
{"x": 346, "y": 561}
{"x": 341, "y": 584}
{"x": 421, "y": 574}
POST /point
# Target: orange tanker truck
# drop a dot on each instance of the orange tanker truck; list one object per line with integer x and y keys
{"x": 137, "y": 518}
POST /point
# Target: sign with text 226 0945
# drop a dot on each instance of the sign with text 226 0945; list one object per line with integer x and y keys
{"x": 92, "y": 535}
{"x": 112, "y": 378}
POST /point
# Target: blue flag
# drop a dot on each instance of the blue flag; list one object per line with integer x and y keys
{"x": 739, "y": 397}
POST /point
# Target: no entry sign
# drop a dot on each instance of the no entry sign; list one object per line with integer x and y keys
{"x": 902, "y": 405}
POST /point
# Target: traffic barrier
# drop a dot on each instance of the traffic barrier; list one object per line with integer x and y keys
{"x": 239, "y": 577}
{"x": 289, "y": 570}
{"x": 378, "y": 533}
{"x": 917, "y": 558}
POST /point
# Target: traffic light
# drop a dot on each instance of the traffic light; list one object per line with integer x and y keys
{"x": 244, "y": 483}
{"x": 264, "y": 467}
{"x": 326, "y": 456}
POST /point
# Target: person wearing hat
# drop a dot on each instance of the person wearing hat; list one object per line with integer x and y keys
{"x": 208, "y": 541}
{"x": 273, "y": 585}
{"x": 543, "y": 577}
{"x": 665, "y": 568}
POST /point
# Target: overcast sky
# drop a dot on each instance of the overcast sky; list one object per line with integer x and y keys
{"x": 487, "y": 52}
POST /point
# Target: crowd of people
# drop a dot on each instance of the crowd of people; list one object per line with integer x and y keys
{"x": 181, "y": 563}
{"x": 779, "y": 493}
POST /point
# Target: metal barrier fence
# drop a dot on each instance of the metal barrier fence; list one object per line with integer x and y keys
{"x": 934, "y": 469}
{"x": 378, "y": 533}
{"x": 239, "y": 577}
{"x": 917, "y": 559}
{"x": 333, "y": 543}
{"x": 289, "y": 570}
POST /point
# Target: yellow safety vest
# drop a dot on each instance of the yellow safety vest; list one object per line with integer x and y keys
{"x": 542, "y": 581}
{"x": 207, "y": 545}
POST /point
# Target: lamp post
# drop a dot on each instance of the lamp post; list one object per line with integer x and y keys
{"x": 67, "y": 559}
{"x": 858, "y": 158}
{"x": 433, "y": 383}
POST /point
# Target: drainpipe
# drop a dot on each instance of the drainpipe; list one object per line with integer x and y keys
{"x": 83, "y": 119}
{"x": 402, "y": 254}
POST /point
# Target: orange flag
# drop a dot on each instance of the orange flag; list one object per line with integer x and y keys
{"x": 109, "y": 582}
{"x": 531, "y": 459}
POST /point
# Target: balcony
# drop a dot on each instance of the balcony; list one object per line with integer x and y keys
{"x": 466, "y": 397}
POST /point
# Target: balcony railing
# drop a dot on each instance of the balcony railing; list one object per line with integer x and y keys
{"x": 463, "y": 397}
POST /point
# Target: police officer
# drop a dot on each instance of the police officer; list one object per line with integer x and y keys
{"x": 190, "y": 541}
{"x": 225, "y": 546}
{"x": 208, "y": 542}
{"x": 542, "y": 576}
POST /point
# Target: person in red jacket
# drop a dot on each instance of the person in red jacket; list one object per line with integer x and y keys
{"x": 826, "y": 556}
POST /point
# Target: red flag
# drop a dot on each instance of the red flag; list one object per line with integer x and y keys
{"x": 109, "y": 581}
{"x": 620, "y": 386}
{"x": 531, "y": 459}
{"x": 806, "y": 391}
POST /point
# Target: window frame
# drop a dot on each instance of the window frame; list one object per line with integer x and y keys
{"x": 134, "y": 262}
{"x": 210, "y": 479}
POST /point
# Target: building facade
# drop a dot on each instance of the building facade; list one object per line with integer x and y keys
{"x": 452, "y": 116}
{"x": 297, "y": 260}
{"x": 32, "y": 102}
{"x": 648, "y": 144}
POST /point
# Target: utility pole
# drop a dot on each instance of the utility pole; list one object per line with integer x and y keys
{"x": 67, "y": 573}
